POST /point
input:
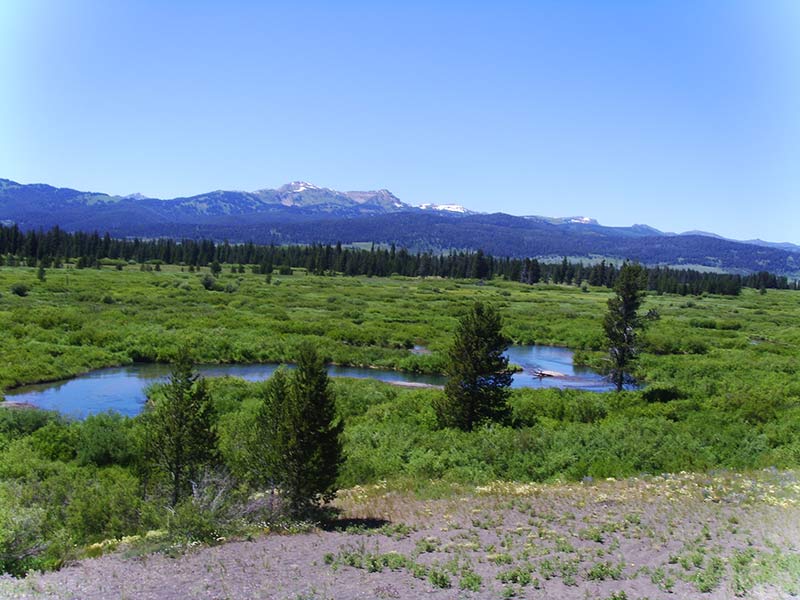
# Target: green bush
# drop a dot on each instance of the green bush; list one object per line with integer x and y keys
{"x": 20, "y": 289}
{"x": 703, "y": 323}
{"x": 189, "y": 521}
{"x": 105, "y": 439}
{"x": 22, "y": 534}
{"x": 209, "y": 283}
{"x": 658, "y": 393}
{"x": 561, "y": 405}
{"x": 19, "y": 423}
{"x": 56, "y": 441}
{"x": 106, "y": 504}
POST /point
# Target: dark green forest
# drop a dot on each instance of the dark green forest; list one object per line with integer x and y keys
{"x": 53, "y": 247}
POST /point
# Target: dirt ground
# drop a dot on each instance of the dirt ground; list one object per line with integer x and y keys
{"x": 716, "y": 536}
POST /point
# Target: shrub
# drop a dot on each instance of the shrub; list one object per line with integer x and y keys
{"x": 562, "y": 405}
{"x": 105, "y": 440}
{"x": 470, "y": 580}
{"x": 192, "y": 522}
{"x": 439, "y": 578}
{"x": 696, "y": 346}
{"x": 18, "y": 423}
{"x": 20, "y": 289}
{"x": 209, "y": 283}
{"x": 659, "y": 343}
{"x": 662, "y": 393}
{"x": 703, "y": 323}
{"x": 55, "y": 441}
{"x": 21, "y": 532}
{"x": 106, "y": 503}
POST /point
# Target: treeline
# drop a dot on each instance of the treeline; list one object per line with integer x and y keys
{"x": 53, "y": 247}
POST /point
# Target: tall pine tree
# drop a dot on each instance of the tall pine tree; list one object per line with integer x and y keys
{"x": 477, "y": 389}
{"x": 300, "y": 432}
{"x": 622, "y": 322}
{"x": 179, "y": 427}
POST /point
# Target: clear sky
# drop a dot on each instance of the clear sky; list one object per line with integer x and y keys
{"x": 682, "y": 115}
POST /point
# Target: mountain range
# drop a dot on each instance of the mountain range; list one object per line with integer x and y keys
{"x": 300, "y": 212}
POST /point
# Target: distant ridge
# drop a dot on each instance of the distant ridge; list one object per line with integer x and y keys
{"x": 301, "y": 212}
{"x": 756, "y": 242}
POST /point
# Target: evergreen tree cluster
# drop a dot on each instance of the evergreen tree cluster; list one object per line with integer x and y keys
{"x": 298, "y": 423}
{"x": 54, "y": 247}
{"x": 292, "y": 445}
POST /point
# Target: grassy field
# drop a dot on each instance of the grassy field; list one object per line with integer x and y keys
{"x": 81, "y": 319}
{"x": 719, "y": 374}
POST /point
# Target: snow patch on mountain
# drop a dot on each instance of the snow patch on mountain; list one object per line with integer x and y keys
{"x": 300, "y": 186}
{"x": 455, "y": 208}
{"x": 563, "y": 220}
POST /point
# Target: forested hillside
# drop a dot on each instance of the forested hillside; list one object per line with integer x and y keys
{"x": 300, "y": 213}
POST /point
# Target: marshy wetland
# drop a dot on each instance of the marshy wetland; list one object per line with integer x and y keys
{"x": 703, "y": 502}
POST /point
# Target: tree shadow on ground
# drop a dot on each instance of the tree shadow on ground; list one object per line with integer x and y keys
{"x": 333, "y": 522}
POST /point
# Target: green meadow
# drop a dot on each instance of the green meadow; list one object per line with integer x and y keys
{"x": 719, "y": 379}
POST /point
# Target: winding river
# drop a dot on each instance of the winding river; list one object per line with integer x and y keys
{"x": 122, "y": 389}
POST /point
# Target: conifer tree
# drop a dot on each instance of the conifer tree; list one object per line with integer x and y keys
{"x": 179, "y": 427}
{"x": 263, "y": 454}
{"x": 621, "y": 323}
{"x": 477, "y": 389}
{"x": 300, "y": 433}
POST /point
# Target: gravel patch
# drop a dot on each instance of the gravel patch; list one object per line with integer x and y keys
{"x": 718, "y": 536}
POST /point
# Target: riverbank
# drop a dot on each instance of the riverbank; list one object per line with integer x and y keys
{"x": 12, "y": 404}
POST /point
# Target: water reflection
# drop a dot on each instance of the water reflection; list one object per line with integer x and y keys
{"x": 122, "y": 389}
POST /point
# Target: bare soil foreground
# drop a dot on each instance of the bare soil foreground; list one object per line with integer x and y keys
{"x": 726, "y": 535}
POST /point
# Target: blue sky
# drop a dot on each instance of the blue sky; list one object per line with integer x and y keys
{"x": 681, "y": 115}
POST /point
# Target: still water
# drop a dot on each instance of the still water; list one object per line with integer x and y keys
{"x": 122, "y": 389}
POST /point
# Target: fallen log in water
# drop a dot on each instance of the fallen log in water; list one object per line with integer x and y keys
{"x": 540, "y": 373}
